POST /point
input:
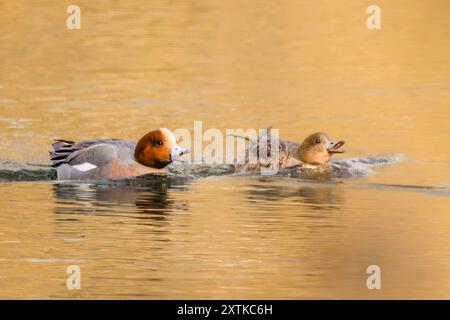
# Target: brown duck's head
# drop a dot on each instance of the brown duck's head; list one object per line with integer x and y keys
{"x": 157, "y": 149}
{"x": 317, "y": 148}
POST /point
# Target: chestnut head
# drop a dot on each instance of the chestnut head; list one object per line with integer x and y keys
{"x": 157, "y": 149}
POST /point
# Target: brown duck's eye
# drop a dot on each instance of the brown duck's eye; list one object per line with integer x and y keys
{"x": 158, "y": 143}
{"x": 318, "y": 141}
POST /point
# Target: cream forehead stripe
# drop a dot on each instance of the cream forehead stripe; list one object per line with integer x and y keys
{"x": 169, "y": 135}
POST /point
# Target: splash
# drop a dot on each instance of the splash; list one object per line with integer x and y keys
{"x": 361, "y": 167}
{"x": 11, "y": 171}
{"x": 340, "y": 168}
{"x": 14, "y": 171}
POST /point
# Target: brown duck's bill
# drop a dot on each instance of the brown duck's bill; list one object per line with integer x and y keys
{"x": 336, "y": 146}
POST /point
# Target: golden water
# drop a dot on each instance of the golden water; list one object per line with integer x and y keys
{"x": 300, "y": 66}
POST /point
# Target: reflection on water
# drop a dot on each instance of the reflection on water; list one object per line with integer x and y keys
{"x": 313, "y": 196}
{"x": 299, "y": 66}
{"x": 148, "y": 194}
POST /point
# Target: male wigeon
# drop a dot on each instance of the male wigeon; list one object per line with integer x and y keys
{"x": 316, "y": 149}
{"x": 113, "y": 158}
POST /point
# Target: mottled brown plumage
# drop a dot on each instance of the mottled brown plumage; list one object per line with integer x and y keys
{"x": 316, "y": 149}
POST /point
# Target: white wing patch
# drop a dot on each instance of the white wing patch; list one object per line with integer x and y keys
{"x": 84, "y": 166}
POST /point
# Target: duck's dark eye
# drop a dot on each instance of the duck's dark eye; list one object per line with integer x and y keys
{"x": 318, "y": 141}
{"x": 158, "y": 143}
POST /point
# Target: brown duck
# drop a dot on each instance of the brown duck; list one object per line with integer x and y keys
{"x": 316, "y": 149}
